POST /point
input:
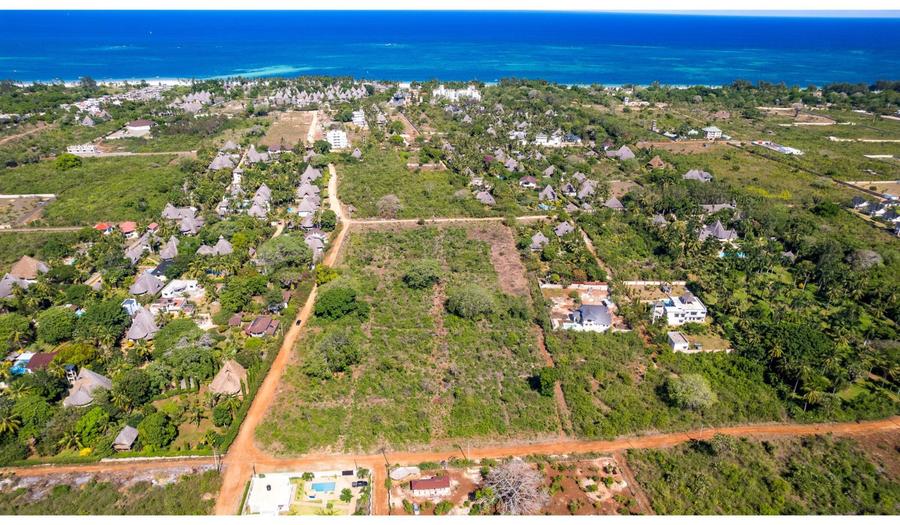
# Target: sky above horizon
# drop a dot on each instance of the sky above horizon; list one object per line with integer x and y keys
{"x": 804, "y": 8}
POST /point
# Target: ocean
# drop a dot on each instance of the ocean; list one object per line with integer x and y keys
{"x": 574, "y": 48}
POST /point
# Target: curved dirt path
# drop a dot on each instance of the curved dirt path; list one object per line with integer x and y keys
{"x": 40, "y": 126}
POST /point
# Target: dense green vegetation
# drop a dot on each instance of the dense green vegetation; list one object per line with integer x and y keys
{"x": 192, "y": 494}
{"x": 43, "y": 245}
{"x": 725, "y": 475}
{"x": 101, "y": 189}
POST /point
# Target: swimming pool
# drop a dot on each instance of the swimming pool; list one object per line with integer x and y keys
{"x": 323, "y": 486}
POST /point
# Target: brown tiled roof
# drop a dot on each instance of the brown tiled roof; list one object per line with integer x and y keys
{"x": 437, "y": 482}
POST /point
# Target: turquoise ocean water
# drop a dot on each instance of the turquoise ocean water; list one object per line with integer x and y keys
{"x": 563, "y": 47}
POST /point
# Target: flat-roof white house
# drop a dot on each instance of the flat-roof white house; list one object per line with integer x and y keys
{"x": 685, "y": 308}
{"x": 359, "y": 118}
{"x": 188, "y": 288}
{"x": 455, "y": 95}
{"x": 712, "y": 132}
{"x": 82, "y": 149}
{"x": 337, "y": 138}
{"x": 678, "y": 342}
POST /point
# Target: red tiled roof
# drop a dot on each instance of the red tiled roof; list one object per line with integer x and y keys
{"x": 128, "y": 226}
{"x": 102, "y": 226}
{"x": 40, "y": 360}
{"x": 437, "y": 482}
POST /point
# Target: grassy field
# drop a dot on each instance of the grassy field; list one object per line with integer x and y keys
{"x": 192, "y": 494}
{"x": 424, "y": 194}
{"x": 816, "y": 475}
{"x": 424, "y": 375}
{"x": 109, "y": 189}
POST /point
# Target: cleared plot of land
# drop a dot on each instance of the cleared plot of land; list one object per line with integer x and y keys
{"x": 101, "y": 189}
{"x": 614, "y": 387}
{"x": 725, "y": 475}
{"x": 423, "y": 374}
{"x": 21, "y": 210}
{"x": 892, "y": 187}
{"x": 288, "y": 128}
{"x": 172, "y": 491}
{"x": 422, "y": 194}
{"x": 684, "y": 146}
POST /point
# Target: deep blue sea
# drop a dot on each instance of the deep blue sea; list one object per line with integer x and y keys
{"x": 576, "y": 48}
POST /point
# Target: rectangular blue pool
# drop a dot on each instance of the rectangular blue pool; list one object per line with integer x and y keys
{"x": 323, "y": 487}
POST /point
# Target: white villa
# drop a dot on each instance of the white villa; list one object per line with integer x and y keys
{"x": 712, "y": 132}
{"x": 359, "y": 118}
{"x": 589, "y": 318}
{"x": 82, "y": 149}
{"x": 455, "y": 95}
{"x": 686, "y": 308}
{"x": 188, "y": 288}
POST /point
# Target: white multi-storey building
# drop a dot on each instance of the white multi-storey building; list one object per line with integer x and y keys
{"x": 455, "y": 95}
{"x": 677, "y": 311}
{"x": 337, "y": 138}
{"x": 359, "y": 118}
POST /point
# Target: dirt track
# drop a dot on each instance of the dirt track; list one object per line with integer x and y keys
{"x": 40, "y": 127}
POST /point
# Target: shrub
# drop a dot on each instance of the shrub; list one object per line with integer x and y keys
{"x": 336, "y": 302}
{"x": 67, "y": 161}
{"x": 691, "y": 391}
{"x": 221, "y": 415}
{"x": 422, "y": 274}
{"x": 470, "y": 302}
{"x": 442, "y": 508}
{"x": 156, "y": 431}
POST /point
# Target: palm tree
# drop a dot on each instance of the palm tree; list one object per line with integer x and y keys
{"x": 233, "y": 403}
{"x": 70, "y": 440}
{"x": 121, "y": 400}
{"x": 195, "y": 412}
{"x": 18, "y": 390}
{"x": 9, "y": 422}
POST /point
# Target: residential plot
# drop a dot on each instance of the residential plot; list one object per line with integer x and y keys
{"x": 99, "y": 189}
{"x": 420, "y": 194}
{"x": 320, "y": 493}
{"x": 288, "y": 128}
{"x": 421, "y": 373}
{"x": 564, "y": 486}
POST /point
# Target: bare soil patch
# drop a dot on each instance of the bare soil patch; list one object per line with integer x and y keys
{"x": 504, "y": 256}
{"x": 22, "y": 210}
{"x": 881, "y": 186}
{"x": 683, "y": 146}
{"x": 883, "y": 449}
{"x": 289, "y": 128}
{"x": 618, "y": 188}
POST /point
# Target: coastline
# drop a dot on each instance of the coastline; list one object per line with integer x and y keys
{"x": 177, "y": 82}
